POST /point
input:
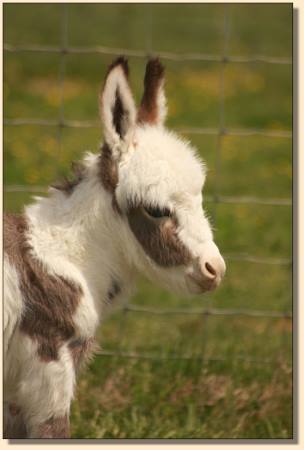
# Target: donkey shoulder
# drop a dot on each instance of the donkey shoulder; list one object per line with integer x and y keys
{"x": 49, "y": 300}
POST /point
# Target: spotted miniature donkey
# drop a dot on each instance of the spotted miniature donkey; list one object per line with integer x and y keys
{"x": 134, "y": 207}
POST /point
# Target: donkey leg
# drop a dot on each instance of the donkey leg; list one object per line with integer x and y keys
{"x": 53, "y": 428}
{"x": 45, "y": 395}
{"x": 49, "y": 418}
{"x": 14, "y": 425}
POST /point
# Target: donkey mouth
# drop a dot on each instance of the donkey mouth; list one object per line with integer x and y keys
{"x": 200, "y": 285}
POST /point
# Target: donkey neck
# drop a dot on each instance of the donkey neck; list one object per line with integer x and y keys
{"x": 82, "y": 229}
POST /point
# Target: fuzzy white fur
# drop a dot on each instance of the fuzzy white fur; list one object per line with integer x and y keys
{"x": 82, "y": 238}
{"x": 13, "y": 306}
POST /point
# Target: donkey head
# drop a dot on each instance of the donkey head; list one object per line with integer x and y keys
{"x": 157, "y": 182}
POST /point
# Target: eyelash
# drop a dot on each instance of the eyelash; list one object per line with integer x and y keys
{"x": 157, "y": 212}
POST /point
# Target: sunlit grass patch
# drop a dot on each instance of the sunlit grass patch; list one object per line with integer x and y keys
{"x": 199, "y": 401}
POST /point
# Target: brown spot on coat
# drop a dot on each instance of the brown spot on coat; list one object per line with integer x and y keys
{"x": 154, "y": 77}
{"x": 14, "y": 409}
{"x": 50, "y": 300}
{"x": 53, "y": 428}
{"x": 108, "y": 173}
{"x": 158, "y": 237}
{"x": 13, "y": 424}
{"x": 81, "y": 350}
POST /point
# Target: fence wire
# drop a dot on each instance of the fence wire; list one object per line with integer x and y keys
{"x": 221, "y": 131}
{"x": 169, "y": 56}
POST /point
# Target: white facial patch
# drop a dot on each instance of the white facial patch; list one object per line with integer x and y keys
{"x": 161, "y": 169}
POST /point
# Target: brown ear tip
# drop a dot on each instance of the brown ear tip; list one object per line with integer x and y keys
{"x": 120, "y": 61}
{"x": 155, "y": 67}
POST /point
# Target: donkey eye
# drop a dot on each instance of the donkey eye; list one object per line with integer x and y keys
{"x": 157, "y": 212}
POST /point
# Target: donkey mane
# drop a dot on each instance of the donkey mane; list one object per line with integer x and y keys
{"x": 67, "y": 184}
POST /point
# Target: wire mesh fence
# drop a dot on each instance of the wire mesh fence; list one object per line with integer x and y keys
{"x": 223, "y": 59}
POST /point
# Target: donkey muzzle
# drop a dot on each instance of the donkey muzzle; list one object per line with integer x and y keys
{"x": 207, "y": 270}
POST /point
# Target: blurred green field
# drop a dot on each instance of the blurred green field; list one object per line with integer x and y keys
{"x": 222, "y": 397}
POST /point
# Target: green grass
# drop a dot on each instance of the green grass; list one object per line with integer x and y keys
{"x": 137, "y": 400}
{"x": 129, "y": 398}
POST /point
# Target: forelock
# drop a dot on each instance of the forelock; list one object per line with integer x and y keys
{"x": 161, "y": 165}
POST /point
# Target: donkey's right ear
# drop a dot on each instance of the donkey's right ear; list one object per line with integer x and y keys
{"x": 116, "y": 105}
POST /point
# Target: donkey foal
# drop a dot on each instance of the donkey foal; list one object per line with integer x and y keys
{"x": 134, "y": 207}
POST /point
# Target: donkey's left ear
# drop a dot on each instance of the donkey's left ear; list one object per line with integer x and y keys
{"x": 153, "y": 109}
{"x": 116, "y": 105}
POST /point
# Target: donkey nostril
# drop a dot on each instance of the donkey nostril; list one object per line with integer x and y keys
{"x": 210, "y": 270}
